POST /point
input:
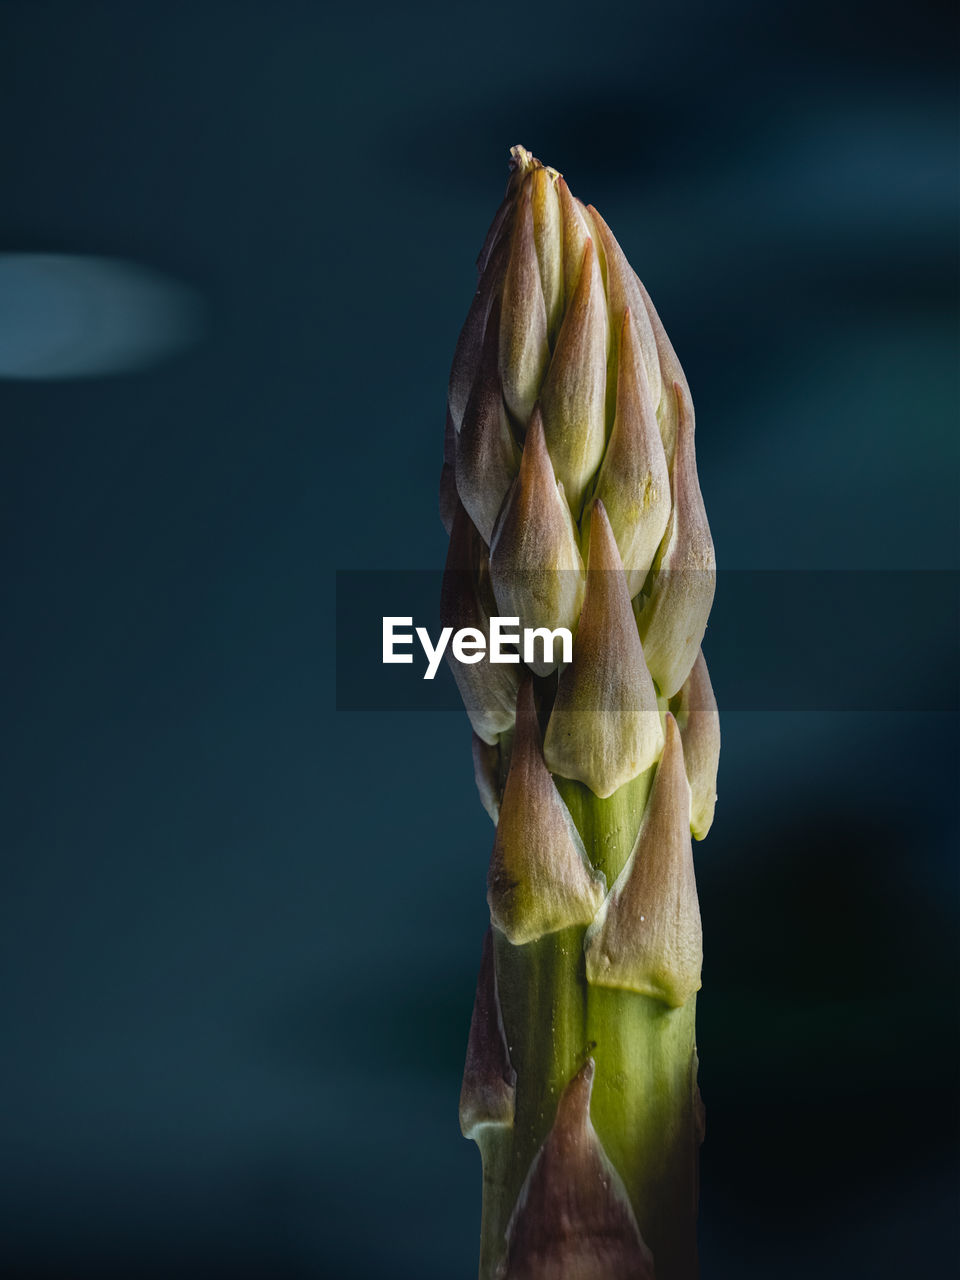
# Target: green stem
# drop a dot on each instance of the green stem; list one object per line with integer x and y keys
{"x": 644, "y": 1106}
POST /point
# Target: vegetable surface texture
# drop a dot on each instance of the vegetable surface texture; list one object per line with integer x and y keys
{"x": 570, "y": 493}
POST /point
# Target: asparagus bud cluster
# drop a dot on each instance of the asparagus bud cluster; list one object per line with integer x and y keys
{"x": 570, "y": 493}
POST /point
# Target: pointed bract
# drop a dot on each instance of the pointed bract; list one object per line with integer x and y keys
{"x": 548, "y": 238}
{"x": 695, "y": 708}
{"x": 486, "y": 774}
{"x": 466, "y": 357}
{"x": 540, "y": 879}
{"x": 449, "y": 498}
{"x": 605, "y": 727}
{"x": 523, "y": 317}
{"x": 634, "y": 483}
{"x": 647, "y": 935}
{"x": 487, "y": 456}
{"x": 488, "y": 690}
{"x": 573, "y": 1220}
{"x": 623, "y": 294}
{"x": 673, "y": 618}
{"x": 573, "y": 399}
{"x": 449, "y": 440}
{"x": 671, "y": 372}
{"x": 498, "y": 231}
{"x": 535, "y": 565}
{"x": 487, "y": 1094}
{"x": 576, "y": 232}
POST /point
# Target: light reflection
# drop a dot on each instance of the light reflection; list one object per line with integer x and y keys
{"x": 71, "y": 316}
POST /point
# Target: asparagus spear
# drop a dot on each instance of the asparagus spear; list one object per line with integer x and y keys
{"x": 570, "y": 492}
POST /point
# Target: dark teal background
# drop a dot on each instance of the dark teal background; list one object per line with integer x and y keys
{"x": 239, "y": 929}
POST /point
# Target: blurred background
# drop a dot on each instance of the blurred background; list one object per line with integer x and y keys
{"x": 239, "y": 928}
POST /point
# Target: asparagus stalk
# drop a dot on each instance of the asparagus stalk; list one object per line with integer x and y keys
{"x": 570, "y": 492}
